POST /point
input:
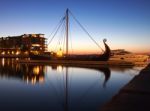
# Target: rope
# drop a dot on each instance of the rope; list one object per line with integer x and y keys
{"x": 59, "y": 38}
{"x": 59, "y": 25}
{"x": 71, "y": 40}
{"x": 85, "y": 31}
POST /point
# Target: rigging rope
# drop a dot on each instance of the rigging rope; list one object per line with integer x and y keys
{"x": 59, "y": 25}
{"x": 59, "y": 42}
{"x": 62, "y": 23}
{"x": 70, "y": 40}
{"x": 85, "y": 31}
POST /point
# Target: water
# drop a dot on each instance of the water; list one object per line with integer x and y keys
{"x": 58, "y": 88}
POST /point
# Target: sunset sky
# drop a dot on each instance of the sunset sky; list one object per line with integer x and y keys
{"x": 125, "y": 23}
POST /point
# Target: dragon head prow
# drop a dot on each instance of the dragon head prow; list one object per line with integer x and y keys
{"x": 104, "y": 40}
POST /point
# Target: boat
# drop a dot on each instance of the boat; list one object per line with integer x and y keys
{"x": 91, "y": 57}
{"x": 101, "y": 57}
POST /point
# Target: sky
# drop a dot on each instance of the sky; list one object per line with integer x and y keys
{"x": 125, "y": 23}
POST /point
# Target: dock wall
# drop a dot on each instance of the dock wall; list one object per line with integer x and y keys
{"x": 135, "y": 96}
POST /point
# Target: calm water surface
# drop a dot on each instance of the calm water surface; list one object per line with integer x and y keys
{"x": 58, "y": 88}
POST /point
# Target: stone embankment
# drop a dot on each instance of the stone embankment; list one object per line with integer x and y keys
{"x": 135, "y": 96}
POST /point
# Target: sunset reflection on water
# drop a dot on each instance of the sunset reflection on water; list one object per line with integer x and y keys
{"x": 55, "y": 87}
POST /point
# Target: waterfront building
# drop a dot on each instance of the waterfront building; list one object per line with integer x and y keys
{"x": 23, "y": 44}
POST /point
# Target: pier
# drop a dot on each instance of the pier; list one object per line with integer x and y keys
{"x": 134, "y": 96}
{"x": 79, "y": 63}
{"x": 111, "y": 63}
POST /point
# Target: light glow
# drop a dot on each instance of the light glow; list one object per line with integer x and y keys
{"x": 36, "y": 70}
{"x": 59, "y": 53}
{"x": 18, "y": 52}
{"x": 59, "y": 68}
{"x": 36, "y": 45}
{"x": 3, "y": 53}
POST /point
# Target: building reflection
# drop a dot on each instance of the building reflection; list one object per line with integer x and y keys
{"x": 61, "y": 83}
{"x": 29, "y": 73}
{"x": 33, "y": 74}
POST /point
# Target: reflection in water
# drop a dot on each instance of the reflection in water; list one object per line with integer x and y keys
{"x": 104, "y": 70}
{"x": 35, "y": 73}
{"x": 107, "y": 76}
{"x": 28, "y": 73}
{"x": 3, "y": 62}
{"x": 57, "y": 87}
{"x": 59, "y": 68}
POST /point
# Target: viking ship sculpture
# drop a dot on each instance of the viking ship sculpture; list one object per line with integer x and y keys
{"x": 101, "y": 57}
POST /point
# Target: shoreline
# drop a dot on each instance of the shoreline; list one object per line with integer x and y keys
{"x": 134, "y": 96}
{"x": 85, "y": 63}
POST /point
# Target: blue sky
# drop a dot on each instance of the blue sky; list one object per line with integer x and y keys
{"x": 125, "y": 23}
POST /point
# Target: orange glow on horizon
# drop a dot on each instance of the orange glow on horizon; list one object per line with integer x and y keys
{"x": 132, "y": 50}
{"x": 92, "y": 49}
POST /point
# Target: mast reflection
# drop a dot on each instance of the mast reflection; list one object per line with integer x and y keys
{"x": 33, "y": 74}
{"x": 106, "y": 71}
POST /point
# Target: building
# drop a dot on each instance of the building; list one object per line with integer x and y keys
{"x": 23, "y": 44}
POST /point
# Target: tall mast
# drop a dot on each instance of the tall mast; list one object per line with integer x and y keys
{"x": 67, "y": 20}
